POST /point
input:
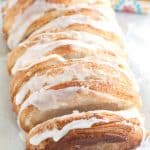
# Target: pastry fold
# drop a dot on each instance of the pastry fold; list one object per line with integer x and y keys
{"x": 74, "y": 34}
{"x": 29, "y": 15}
{"x": 98, "y": 130}
{"x": 49, "y": 74}
{"x": 46, "y": 91}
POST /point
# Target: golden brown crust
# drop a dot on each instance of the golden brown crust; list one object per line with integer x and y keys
{"x": 82, "y": 100}
{"x": 50, "y": 16}
{"x": 111, "y": 86}
{"x": 66, "y": 51}
{"x": 118, "y": 133}
{"x": 9, "y": 15}
{"x": 53, "y": 14}
{"x": 119, "y": 89}
{"x": 40, "y": 69}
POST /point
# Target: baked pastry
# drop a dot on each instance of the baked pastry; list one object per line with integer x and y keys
{"x": 68, "y": 44}
{"x": 69, "y": 55}
{"x": 83, "y": 33}
{"x": 48, "y": 91}
{"x": 32, "y": 14}
{"x": 95, "y": 130}
{"x": 55, "y": 71}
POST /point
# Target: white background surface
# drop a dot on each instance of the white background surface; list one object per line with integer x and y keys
{"x": 137, "y": 33}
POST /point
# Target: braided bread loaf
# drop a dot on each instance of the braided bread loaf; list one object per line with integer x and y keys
{"x": 69, "y": 55}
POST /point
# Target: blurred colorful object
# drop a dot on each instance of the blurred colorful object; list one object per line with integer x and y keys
{"x": 132, "y": 6}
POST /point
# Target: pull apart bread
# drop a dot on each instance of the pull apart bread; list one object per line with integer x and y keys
{"x": 71, "y": 84}
{"x": 95, "y": 130}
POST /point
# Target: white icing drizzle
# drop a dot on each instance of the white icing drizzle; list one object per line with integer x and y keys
{"x": 31, "y": 14}
{"x": 56, "y": 134}
{"x": 65, "y": 21}
{"x": 33, "y": 85}
{"x": 80, "y": 35}
{"x": 134, "y": 113}
{"x": 37, "y": 82}
{"x": 34, "y": 54}
{"x": 11, "y": 3}
{"x": 84, "y": 40}
{"x": 129, "y": 113}
{"x": 24, "y": 20}
{"x": 75, "y": 70}
{"x": 55, "y": 99}
{"x": 54, "y": 57}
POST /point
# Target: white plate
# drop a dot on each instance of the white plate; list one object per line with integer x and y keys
{"x": 137, "y": 33}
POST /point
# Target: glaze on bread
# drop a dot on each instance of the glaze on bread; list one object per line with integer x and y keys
{"x": 69, "y": 55}
{"x": 98, "y": 130}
